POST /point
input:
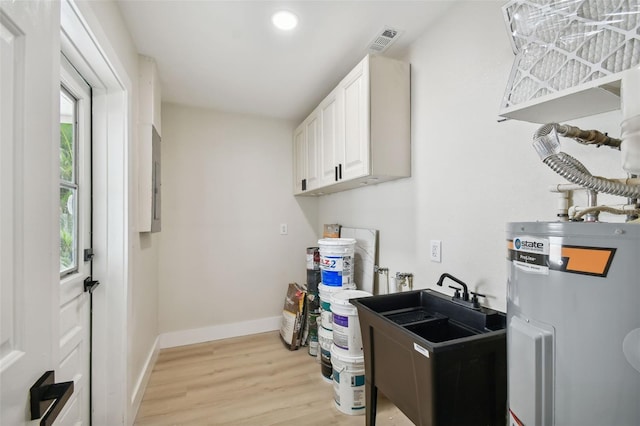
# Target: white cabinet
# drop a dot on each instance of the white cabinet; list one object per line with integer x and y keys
{"x": 299, "y": 160}
{"x": 331, "y": 139}
{"x": 306, "y": 166}
{"x": 360, "y": 133}
{"x": 354, "y": 154}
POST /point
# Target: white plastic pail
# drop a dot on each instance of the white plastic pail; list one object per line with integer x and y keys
{"x": 336, "y": 261}
{"x": 325, "y": 292}
{"x": 346, "y": 326}
{"x": 348, "y": 382}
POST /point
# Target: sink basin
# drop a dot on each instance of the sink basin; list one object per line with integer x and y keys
{"x": 440, "y": 362}
{"x": 440, "y": 330}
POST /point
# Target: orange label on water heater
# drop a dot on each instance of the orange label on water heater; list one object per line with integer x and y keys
{"x": 585, "y": 260}
{"x": 593, "y": 261}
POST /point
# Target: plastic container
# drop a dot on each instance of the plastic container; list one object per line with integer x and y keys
{"x": 325, "y": 339}
{"x": 348, "y": 382}
{"x": 325, "y": 292}
{"x": 336, "y": 260}
{"x": 346, "y": 326}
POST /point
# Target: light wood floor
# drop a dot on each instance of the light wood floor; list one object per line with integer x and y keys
{"x": 252, "y": 381}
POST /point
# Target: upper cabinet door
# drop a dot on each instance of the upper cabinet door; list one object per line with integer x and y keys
{"x": 332, "y": 143}
{"x": 299, "y": 160}
{"x": 354, "y": 157}
{"x": 313, "y": 134}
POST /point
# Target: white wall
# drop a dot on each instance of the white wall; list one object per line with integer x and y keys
{"x": 226, "y": 187}
{"x": 471, "y": 174}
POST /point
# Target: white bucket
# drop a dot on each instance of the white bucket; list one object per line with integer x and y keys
{"x": 325, "y": 339}
{"x": 348, "y": 382}
{"x": 336, "y": 261}
{"x": 325, "y": 292}
{"x": 346, "y": 325}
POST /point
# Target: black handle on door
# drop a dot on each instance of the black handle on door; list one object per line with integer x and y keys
{"x": 336, "y": 172}
{"x": 340, "y": 170}
{"x": 46, "y": 393}
{"x": 90, "y": 285}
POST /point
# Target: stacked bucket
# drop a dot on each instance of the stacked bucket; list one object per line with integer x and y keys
{"x": 341, "y": 356}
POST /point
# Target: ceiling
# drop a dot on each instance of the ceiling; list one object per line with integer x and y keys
{"x": 226, "y": 55}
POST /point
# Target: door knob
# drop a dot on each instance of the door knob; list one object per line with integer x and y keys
{"x": 46, "y": 393}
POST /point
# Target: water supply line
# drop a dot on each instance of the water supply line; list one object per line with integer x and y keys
{"x": 547, "y": 144}
{"x": 382, "y": 271}
{"x": 576, "y": 212}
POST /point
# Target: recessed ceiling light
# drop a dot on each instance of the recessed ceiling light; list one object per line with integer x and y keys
{"x": 284, "y": 20}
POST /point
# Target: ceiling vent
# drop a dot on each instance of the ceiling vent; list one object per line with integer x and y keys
{"x": 385, "y": 38}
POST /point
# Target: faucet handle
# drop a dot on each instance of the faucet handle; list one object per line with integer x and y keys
{"x": 457, "y": 293}
{"x": 474, "y": 299}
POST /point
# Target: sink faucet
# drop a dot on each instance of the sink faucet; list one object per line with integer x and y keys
{"x": 405, "y": 278}
{"x": 465, "y": 290}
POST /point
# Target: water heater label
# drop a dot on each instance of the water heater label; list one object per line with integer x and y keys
{"x": 530, "y": 254}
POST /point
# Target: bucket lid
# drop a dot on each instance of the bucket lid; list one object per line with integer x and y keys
{"x": 337, "y": 241}
{"x": 324, "y": 333}
{"x": 343, "y": 297}
{"x": 323, "y": 288}
{"x": 344, "y": 356}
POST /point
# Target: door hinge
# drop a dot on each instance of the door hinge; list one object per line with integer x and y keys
{"x": 88, "y": 255}
{"x": 90, "y": 285}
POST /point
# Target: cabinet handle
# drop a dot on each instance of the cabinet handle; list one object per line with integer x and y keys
{"x": 304, "y": 184}
{"x": 336, "y": 172}
{"x": 340, "y": 170}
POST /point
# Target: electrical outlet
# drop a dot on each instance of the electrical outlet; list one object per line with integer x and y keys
{"x": 284, "y": 229}
{"x": 436, "y": 251}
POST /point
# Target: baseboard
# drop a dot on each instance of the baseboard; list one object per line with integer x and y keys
{"x": 143, "y": 379}
{"x": 217, "y": 332}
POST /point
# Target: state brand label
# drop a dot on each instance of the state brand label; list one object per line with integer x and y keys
{"x": 530, "y": 254}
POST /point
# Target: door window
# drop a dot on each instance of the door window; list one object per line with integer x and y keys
{"x": 68, "y": 184}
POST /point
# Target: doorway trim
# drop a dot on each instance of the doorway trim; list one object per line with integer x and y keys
{"x": 92, "y": 54}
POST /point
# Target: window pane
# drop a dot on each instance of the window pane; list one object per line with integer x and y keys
{"x": 68, "y": 226}
{"x": 68, "y": 185}
{"x": 67, "y": 142}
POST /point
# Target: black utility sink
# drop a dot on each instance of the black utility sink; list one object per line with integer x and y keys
{"x": 438, "y": 361}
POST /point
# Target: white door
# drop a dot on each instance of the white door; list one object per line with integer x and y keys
{"x": 29, "y": 228}
{"x": 75, "y": 238}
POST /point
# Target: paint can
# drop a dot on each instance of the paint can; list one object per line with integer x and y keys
{"x": 313, "y": 258}
{"x": 336, "y": 260}
{"x": 348, "y": 382}
{"x": 325, "y": 338}
{"x": 312, "y": 320}
{"x": 313, "y": 279}
{"x": 325, "y": 292}
{"x": 346, "y": 325}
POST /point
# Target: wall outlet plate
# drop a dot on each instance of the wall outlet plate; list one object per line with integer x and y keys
{"x": 436, "y": 251}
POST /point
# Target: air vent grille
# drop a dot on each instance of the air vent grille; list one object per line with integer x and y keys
{"x": 385, "y": 38}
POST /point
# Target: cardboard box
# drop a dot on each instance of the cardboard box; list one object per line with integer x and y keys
{"x": 331, "y": 231}
{"x": 294, "y": 314}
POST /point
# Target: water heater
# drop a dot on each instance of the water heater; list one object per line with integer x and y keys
{"x": 573, "y": 315}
